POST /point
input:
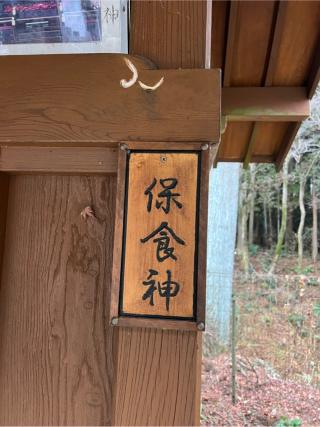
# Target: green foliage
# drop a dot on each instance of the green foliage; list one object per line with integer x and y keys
{"x": 304, "y": 333}
{"x": 296, "y": 320}
{"x": 270, "y": 283}
{"x": 306, "y": 270}
{"x": 267, "y": 320}
{"x": 313, "y": 281}
{"x": 316, "y": 309}
{"x": 271, "y": 299}
{"x": 286, "y": 422}
{"x": 253, "y": 249}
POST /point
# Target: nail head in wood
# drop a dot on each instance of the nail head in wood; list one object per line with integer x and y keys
{"x": 200, "y": 326}
{"x": 114, "y": 321}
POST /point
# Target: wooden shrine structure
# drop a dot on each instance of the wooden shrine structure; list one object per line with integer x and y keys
{"x": 65, "y": 124}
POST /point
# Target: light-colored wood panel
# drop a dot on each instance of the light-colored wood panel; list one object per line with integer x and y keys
{"x": 160, "y": 245}
{"x": 58, "y": 159}
{"x": 158, "y": 381}
{"x": 56, "y": 352}
{"x": 299, "y": 41}
{"x": 81, "y": 100}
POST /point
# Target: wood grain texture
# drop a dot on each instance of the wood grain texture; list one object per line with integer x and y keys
{"x": 4, "y": 191}
{"x": 253, "y": 30}
{"x": 118, "y": 234}
{"x": 281, "y": 104}
{"x": 145, "y": 170}
{"x": 165, "y": 324}
{"x": 298, "y": 44}
{"x": 56, "y": 350}
{"x": 83, "y": 101}
{"x": 170, "y": 33}
{"x": 207, "y": 159}
{"x": 145, "y": 394}
{"x": 157, "y": 378}
{"x": 71, "y": 160}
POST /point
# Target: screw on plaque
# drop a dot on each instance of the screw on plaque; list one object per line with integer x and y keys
{"x": 200, "y": 326}
{"x": 163, "y": 158}
{"x": 114, "y": 321}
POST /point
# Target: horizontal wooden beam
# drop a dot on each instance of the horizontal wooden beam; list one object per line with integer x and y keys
{"x": 71, "y": 160}
{"x": 57, "y": 99}
{"x": 254, "y": 159}
{"x": 248, "y": 104}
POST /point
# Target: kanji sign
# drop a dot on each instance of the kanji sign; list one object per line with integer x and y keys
{"x": 160, "y": 236}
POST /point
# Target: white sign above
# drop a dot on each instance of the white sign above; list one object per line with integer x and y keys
{"x": 63, "y": 27}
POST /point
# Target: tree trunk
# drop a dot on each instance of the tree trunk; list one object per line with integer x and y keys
{"x": 302, "y": 219}
{"x": 265, "y": 223}
{"x": 244, "y": 238}
{"x": 252, "y": 202}
{"x": 290, "y": 240}
{"x": 240, "y": 211}
{"x": 278, "y": 211}
{"x": 242, "y": 246}
{"x": 284, "y": 213}
{"x": 314, "y": 223}
{"x": 270, "y": 237}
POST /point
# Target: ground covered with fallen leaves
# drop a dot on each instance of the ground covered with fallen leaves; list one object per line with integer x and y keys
{"x": 277, "y": 349}
{"x": 263, "y": 397}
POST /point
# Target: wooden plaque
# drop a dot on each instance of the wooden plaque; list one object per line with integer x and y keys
{"x": 156, "y": 263}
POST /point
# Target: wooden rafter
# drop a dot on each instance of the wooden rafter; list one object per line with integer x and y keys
{"x": 250, "y": 146}
{"x": 315, "y": 73}
{"x": 232, "y": 20}
{"x": 288, "y": 140}
{"x": 278, "y": 29}
{"x": 234, "y": 5}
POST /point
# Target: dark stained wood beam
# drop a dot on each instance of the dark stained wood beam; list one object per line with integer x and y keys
{"x": 272, "y": 61}
{"x": 250, "y": 146}
{"x": 314, "y": 78}
{"x": 278, "y": 29}
{"x": 291, "y": 133}
{"x": 284, "y": 104}
{"x": 233, "y": 12}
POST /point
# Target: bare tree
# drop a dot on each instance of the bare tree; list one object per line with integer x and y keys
{"x": 284, "y": 213}
{"x": 314, "y": 221}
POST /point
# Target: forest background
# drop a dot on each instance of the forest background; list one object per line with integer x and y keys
{"x": 274, "y": 378}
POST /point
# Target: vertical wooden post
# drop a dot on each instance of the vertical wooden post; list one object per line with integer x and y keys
{"x": 4, "y": 191}
{"x": 158, "y": 375}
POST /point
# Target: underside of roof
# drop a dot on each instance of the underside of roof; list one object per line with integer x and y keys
{"x": 265, "y": 44}
{"x": 255, "y": 43}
